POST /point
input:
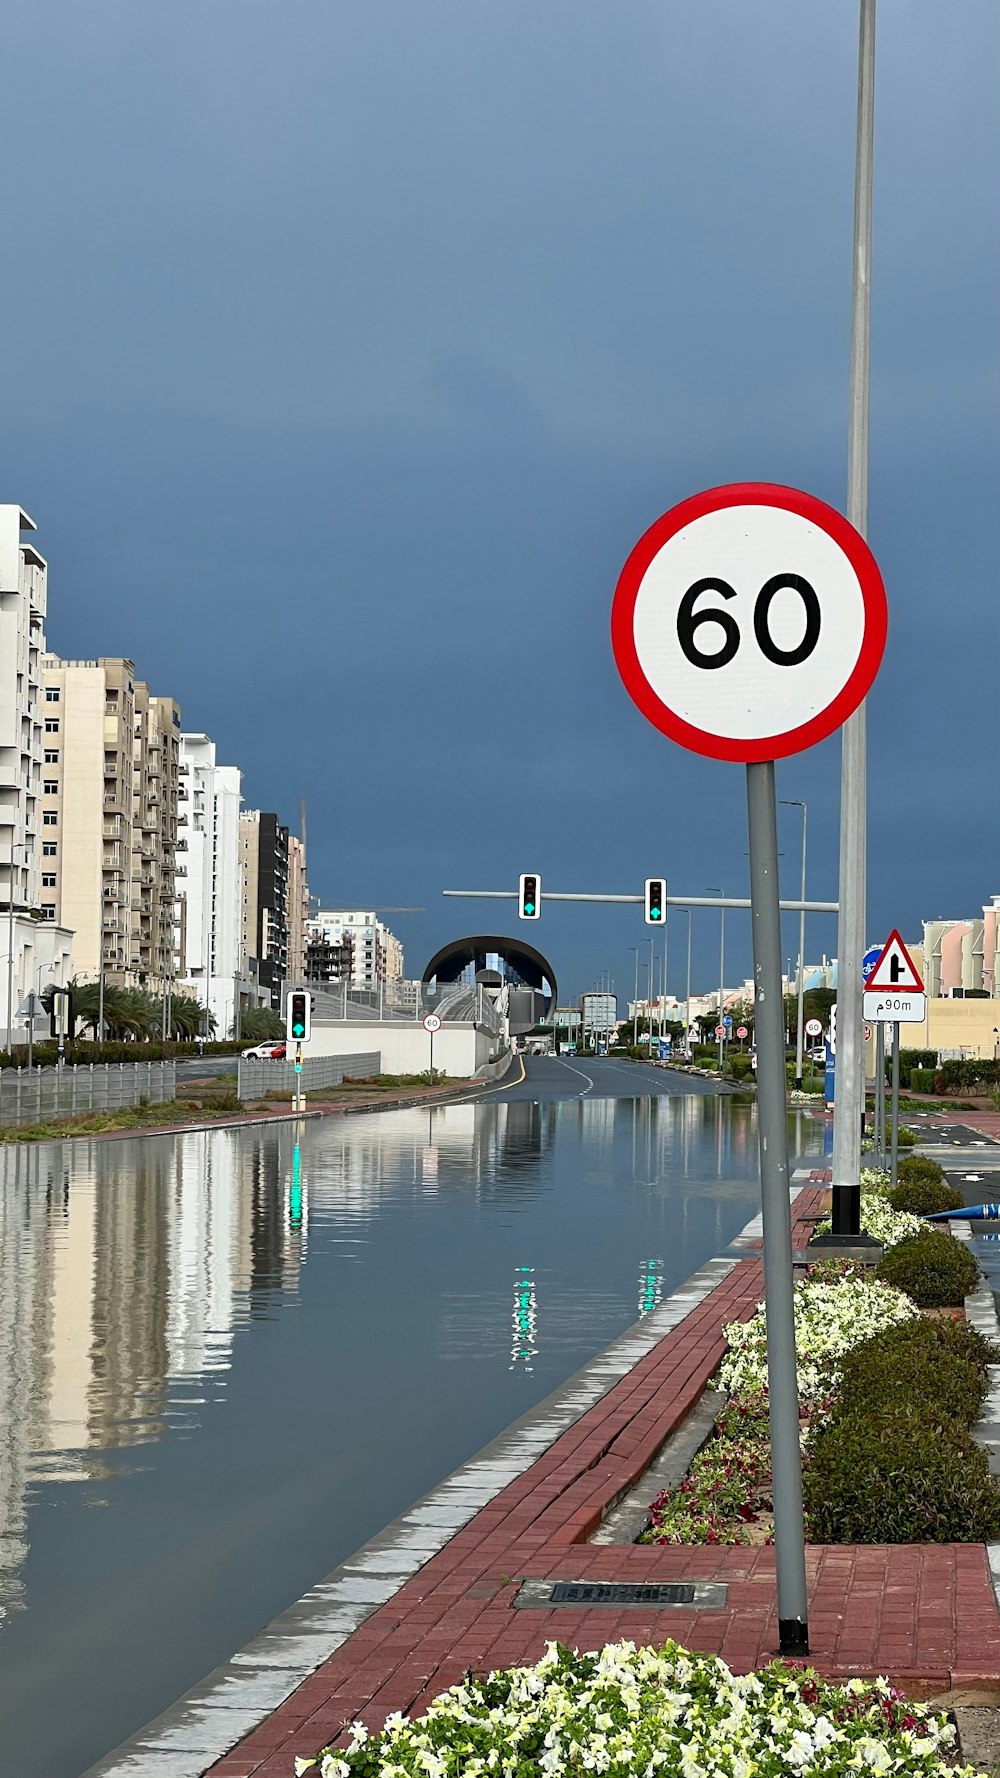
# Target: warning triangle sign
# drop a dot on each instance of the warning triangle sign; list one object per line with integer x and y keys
{"x": 895, "y": 972}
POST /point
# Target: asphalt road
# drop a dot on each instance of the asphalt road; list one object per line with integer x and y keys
{"x": 579, "y": 1077}
{"x": 204, "y": 1067}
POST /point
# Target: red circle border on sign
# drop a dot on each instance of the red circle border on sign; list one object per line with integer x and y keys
{"x": 808, "y": 734}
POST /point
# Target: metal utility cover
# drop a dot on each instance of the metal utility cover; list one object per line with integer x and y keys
{"x": 706, "y": 1595}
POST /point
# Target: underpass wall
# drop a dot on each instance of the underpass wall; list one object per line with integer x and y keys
{"x": 405, "y": 1049}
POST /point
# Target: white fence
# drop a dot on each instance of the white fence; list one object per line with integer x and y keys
{"x": 36, "y": 1095}
{"x": 256, "y": 1079}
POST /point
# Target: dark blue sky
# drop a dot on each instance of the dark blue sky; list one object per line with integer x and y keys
{"x": 351, "y": 344}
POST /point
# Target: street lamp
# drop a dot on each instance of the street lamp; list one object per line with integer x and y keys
{"x": 722, "y": 972}
{"x": 651, "y": 980}
{"x": 796, "y": 803}
{"x": 635, "y": 1003}
{"x": 687, "y": 1000}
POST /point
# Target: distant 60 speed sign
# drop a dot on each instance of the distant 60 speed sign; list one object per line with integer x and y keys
{"x": 749, "y": 622}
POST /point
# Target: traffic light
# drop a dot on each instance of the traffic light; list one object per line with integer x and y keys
{"x": 656, "y": 901}
{"x": 298, "y": 1026}
{"x": 529, "y": 898}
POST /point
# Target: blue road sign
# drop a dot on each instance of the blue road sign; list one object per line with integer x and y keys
{"x": 870, "y": 959}
{"x": 728, "y": 1021}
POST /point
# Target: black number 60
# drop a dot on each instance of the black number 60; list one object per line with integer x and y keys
{"x": 688, "y": 620}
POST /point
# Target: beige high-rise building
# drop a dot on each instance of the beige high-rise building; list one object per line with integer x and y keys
{"x": 109, "y": 818}
{"x": 298, "y": 909}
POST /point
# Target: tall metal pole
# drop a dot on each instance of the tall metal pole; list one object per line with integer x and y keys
{"x": 100, "y": 996}
{"x": 652, "y": 979}
{"x": 850, "y": 1085}
{"x": 772, "y": 1134}
{"x": 635, "y": 1002}
{"x": 687, "y": 1002}
{"x": 722, "y": 974}
{"x": 10, "y": 945}
{"x": 663, "y": 996}
{"x": 794, "y": 803}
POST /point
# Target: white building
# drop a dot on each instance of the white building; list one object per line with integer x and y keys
{"x": 378, "y": 953}
{"x": 37, "y": 951}
{"x": 210, "y": 881}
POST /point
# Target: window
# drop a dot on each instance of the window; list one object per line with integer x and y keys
{"x": 49, "y": 848}
{"x": 52, "y": 694}
{"x": 50, "y": 818}
{"x": 51, "y": 756}
{"x": 52, "y": 725}
{"x": 48, "y": 910}
{"x": 48, "y": 879}
{"x": 51, "y": 786}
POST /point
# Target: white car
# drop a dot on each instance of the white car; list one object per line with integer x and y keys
{"x": 272, "y": 1050}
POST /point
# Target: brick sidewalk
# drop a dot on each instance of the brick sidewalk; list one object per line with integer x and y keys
{"x": 927, "y": 1616}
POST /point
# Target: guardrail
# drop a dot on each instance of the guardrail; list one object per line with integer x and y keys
{"x": 255, "y": 1079}
{"x": 36, "y": 1095}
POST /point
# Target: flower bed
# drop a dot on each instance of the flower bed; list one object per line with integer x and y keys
{"x": 887, "y": 1459}
{"x": 628, "y": 1711}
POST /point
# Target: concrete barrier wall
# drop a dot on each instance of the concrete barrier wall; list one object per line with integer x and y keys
{"x": 254, "y": 1079}
{"x": 459, "y": 1050}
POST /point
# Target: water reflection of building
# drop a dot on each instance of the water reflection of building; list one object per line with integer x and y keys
{"x": 124, "y": 1267}
{"x": 491, "y": 1150}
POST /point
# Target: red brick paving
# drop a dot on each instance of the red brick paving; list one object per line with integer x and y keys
{"x": 925, "y": 1615}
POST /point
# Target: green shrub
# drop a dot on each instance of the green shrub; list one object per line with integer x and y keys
{"x": 906, "y": 1138}
{"x": 919, "y": 1166}
{"x": 740, "y": 1065}
{"x": 925, "y": 1196}
{"x": 904, "y": 1475}
{"x": 916, "y": 1059}
{"x": 939, "y": 1365}
{"x": 922, "y": 1080}
{"x": 935, "y": 1270}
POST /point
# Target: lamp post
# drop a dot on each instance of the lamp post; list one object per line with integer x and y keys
{"x": 652, "y": 979}
{"x": 722, "y": 972}
{"x": 796, "y": 803}
{"x": 850, "y": 1090}
{"x": 635, "y": 1002}
{"x": 687, "y": 998}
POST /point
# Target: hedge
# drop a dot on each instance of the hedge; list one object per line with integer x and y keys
{"x": 925, "y": 1197}
{"x": 46, "y": 1054}
{"x": 935, "y": 1270}
{"x": 919, "y": 1166}
{"x": 922, "y": 1080}
{"x": 895, "y": 1462}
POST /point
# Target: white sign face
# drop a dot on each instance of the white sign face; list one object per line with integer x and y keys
{"x": 894, "y": 1009}
{"x": 814, "y": 1027}
{"x": 432, "y": 1022}
{"x": 749, "y": 622}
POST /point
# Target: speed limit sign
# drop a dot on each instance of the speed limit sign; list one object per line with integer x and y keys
{"x": 749, "y": 622}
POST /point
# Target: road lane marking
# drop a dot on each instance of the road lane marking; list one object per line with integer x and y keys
{"x": 589, "y": 1086}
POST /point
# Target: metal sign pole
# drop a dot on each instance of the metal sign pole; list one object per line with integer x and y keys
{"x": 772, "y": 1131}
{"x": 879, "y": 1131}
{"x": 894, "y": 1164}
{"x": 432, "y": 1057}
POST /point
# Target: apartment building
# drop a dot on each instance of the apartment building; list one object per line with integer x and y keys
{"x": 298, "y": 908}
{"x": 109, "y": 818}
{"x": 208, "y": 879}
{"x": 264, "y": 883}
{"x": 377, "y": 954}
{"x": 39, "y": 956}
{"x": 326, "y": 961}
